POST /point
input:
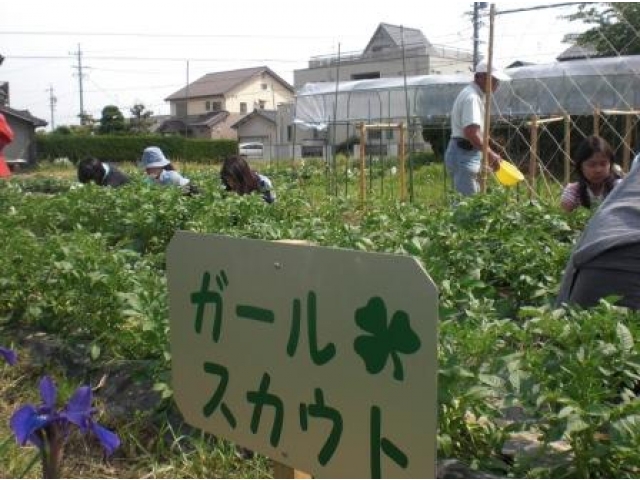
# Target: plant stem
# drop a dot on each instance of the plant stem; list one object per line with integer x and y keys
{"x": 52, "y": 452}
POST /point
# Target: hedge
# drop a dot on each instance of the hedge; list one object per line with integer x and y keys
{"x": 118, "y": 148}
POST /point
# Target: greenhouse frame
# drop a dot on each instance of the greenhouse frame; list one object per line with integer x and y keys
{"x": 577, "y": 87}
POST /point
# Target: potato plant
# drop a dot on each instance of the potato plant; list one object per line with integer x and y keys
{"x": 87, "y": 263}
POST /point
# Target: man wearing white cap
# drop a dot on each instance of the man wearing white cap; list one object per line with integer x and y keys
{"x": 464, "y": 152}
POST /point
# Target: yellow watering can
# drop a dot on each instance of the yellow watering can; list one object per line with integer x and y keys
{"x": 508, "y": 174}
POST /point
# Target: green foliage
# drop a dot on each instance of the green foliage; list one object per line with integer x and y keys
{"x": 62, "y": 130}
{"x": 141, "y": 118}
{"x": 420, "y": 159}
{"x": 112, "y": 121}
{"x": 120, "y": 148}
{"x": 438, "y": 137}
{"x": 346, "y": 147}
{"x": 87, "y": 263}
{"x": 616, "y": 27}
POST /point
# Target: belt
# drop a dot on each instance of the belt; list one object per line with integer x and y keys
{"x": 463, "y": 143}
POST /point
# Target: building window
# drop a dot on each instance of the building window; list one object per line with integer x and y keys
{"x": 216, "y": 106}
{"x": 289, "y": 133}
{"x": 262, "y": 104}
{"x": 207, "y": 105}
{"x": 374, "y": 134}
{"x": 181, "y": 109}
{"x": 243, "y": 107}
{"x": 365, "y": 76}
{"x": 264, "y": 86}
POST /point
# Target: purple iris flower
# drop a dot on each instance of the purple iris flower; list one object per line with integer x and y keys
{"x": 9, "y": 355}
{"x": 79, "y": 412}
{"x": 29, "y": 422}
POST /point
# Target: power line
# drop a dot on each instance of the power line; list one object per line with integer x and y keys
{"x": 539, "y": 7}
{"x": 161, "y": 59}
{"x": 162, "y": 35}
{"x": 205, "y": 59}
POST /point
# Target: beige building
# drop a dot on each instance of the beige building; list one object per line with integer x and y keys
{"x": 392, "y": 52}
{"x": 383, "y": 58}
{"x": 208, "y": 107}
{"x": 258, "y": 127}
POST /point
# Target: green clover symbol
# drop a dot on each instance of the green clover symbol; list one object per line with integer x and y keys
{"x": 384, "y": 341}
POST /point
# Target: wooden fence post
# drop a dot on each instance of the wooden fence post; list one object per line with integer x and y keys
{"x": 402, "y": 166}
{"x": 280, "y": 470}
{"x": 567, "y": 148}
{"x": 363, "y": 142}
{"x": 626, "y": 152}
{"x": 533, "y": 157}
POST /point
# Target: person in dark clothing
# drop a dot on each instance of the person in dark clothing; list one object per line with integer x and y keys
{"x": 606, "y": 259}
{"x": 237, "y": 176}
{"x": 101, "y": 173}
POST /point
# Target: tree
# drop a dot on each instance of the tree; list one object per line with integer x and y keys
{"x": 140, "y": 118}
{"x": 87, "y": 120}
{"x": 616, "y": 30}
{"x": 62, "y": 130}
{"x": 112, "y": 120}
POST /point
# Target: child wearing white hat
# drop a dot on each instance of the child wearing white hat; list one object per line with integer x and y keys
{"x": 159, "y": 170}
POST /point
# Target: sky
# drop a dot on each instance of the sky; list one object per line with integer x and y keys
{"x": 141, "y": 51}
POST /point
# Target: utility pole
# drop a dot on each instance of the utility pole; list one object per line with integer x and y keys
{"x": 477, "y": 6}
{"x": 80, "y": 76}
{"x": 52, "y": 105}
{"x": 273, "y": 96}
{"x": 186, "y": 107}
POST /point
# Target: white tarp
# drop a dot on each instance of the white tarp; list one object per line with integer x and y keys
{"x": 577, "y": 87}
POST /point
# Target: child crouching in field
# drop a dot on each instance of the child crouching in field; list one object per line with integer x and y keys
{"x": 236, "y": 176}
{"x": 606, "y": 259}
{"x": 91, "y": 169}
{"x": 597, "y": 175}
{"x": 159, "y": 170}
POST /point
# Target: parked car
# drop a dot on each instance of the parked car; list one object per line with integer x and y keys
{"x": 251, "y": 149}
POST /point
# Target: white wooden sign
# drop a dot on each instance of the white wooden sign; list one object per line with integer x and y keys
{"x": 322, "y": 359}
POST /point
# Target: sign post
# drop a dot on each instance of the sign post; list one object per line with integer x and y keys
{"x": 321, "y": 359}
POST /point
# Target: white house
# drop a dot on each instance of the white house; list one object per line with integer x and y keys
{"x": 209, "y": 106}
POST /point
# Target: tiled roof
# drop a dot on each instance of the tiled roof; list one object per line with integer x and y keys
{"x": 219, "y": 83}
{"x": 576, "y": 51}
{"x": 386, "y": 44}
{"x": 208, "y": 120}
{"x": 173, "y": 125}
{"x": 24, "y": 115}
{"x": 269, "y": 115}
{"x": 413, "y": 37}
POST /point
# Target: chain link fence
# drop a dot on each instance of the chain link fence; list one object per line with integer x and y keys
{"x": 554, "y": 100}
{"x": 592, "y": 88}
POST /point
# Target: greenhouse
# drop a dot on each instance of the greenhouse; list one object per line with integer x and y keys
{"x": 578, "y": 87}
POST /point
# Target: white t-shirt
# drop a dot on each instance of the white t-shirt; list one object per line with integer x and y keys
{"x": 171, "y": 177}
{"x": 570, "y": 198}
{"x": 468, "y": 109}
